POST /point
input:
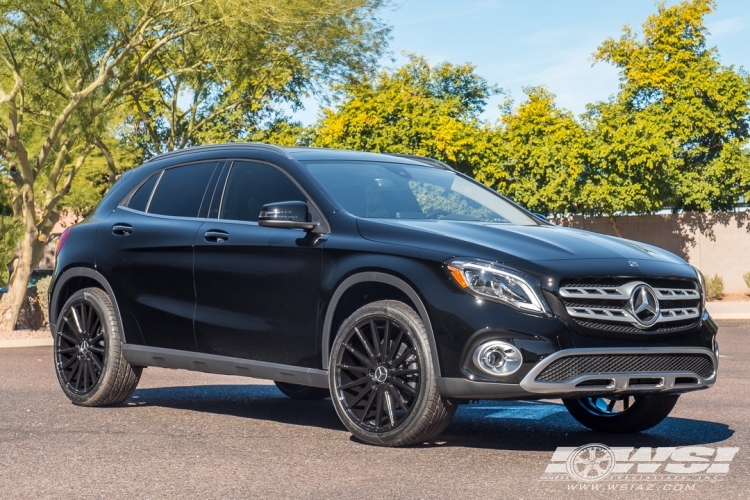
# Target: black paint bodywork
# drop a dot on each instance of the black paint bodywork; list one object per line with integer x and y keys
{"x": 266, "y": 293}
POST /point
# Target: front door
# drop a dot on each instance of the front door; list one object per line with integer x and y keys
{"x": 257, "y": 287}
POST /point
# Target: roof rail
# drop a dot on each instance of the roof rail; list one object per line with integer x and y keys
{"x": 211, "y": 147}
{"x": 424, "y": 159}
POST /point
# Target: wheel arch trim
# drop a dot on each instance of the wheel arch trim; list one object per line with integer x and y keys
{"x": 82, "y": 272}
{"x": 376, "y": 277}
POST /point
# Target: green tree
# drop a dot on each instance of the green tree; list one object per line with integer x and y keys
{"x": 676, "y": 133}
{"x": 10, "y": 231}
{"x": 68, "y": 67}
{"x": 60, "y": 74}
{"x": 540, "y": 155}
{"x": 416, "y": 109}
{"x": 227, "y": 83}
{"x": 282, "y": 132}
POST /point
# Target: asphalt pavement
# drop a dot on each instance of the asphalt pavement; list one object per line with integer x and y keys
{"x": 193, "y": 435}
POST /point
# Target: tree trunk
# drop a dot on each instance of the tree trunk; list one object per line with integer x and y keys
{"x": 10, "y": 303}
{"x": 31, "y": 252}
{"x": 613, "y": 221}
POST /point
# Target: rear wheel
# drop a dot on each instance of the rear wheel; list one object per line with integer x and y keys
{"x": 382, "y": 378}
{"x": 621, "y": 414}
{"x": 296, "y": 391}
{"x": 88, "y": 352}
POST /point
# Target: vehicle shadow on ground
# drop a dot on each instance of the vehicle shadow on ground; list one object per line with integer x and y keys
{"x": 263, "y": 402}
{"x": 543, "y": 426}
{"x": 506, "y": 425}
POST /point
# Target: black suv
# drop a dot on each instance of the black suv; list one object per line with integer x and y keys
{"x": 393, "y": 284}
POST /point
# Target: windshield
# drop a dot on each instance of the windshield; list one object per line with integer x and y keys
{"x": 397, "y": 191}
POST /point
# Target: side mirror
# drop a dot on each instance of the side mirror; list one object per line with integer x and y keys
{"x": 286, "y": 214}
{"x": 540, "y": 216}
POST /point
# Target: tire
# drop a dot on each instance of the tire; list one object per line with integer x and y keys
{"x": 603, "y": 415}
{"x": 88, "y": 352}
{"x": 383, "y": 384}
{"x": 296, "y": 391}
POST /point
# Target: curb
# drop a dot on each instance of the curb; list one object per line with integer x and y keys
{"x": 43, "y": 342}
{"x": 731, "y": 316}
{"x": 729, "y": 310}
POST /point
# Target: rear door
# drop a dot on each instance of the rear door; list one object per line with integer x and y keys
{"x": 145, "y": 250}
{"x": 257, "y": 287}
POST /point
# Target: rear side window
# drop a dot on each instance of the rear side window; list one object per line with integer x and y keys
{"x": 180, "y": 190}
{"x": 252, "y": 185}
{"x": 139, "y": 200}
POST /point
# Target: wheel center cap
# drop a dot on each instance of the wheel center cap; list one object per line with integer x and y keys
{"x": 380, "y": 374}
{"x": 84, "y": 347}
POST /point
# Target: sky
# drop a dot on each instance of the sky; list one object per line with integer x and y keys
{"x": 515, "y": 43}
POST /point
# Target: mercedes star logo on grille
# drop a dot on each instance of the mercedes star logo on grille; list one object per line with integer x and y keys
{"x": 644, "y": 305}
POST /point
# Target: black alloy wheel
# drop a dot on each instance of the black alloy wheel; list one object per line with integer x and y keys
{"x": 382, "y": 378}
{"x": 81, "y": 347}
{"x": 621, "y": 414}
{"x": 89, "y": 363}
{"x": 378, "y": 374}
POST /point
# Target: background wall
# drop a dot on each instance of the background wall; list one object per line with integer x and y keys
{"x": 715, "y": 243}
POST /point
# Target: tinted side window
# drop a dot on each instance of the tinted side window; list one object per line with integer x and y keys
{"x": 252, "y": 185}
{"x": 180, "y": 190}
{"x": 139, "y": 200}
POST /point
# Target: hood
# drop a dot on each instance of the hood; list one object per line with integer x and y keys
{"x": 508, "y": 243}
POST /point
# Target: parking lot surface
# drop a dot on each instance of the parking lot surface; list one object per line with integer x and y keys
{"x": 192, "y": 435}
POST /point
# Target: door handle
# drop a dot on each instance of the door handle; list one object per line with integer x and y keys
{"x": 216, "y": 236}
{"x": 122, "y": 229}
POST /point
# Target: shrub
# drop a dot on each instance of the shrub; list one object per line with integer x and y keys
{"x": 714, "y": 287}
{"x": 746, "y": 277}
{"x": 42, "y": 288}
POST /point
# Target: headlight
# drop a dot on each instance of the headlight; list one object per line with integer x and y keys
{"x": 702, "y": 281}
{"x": 487, "y": 280}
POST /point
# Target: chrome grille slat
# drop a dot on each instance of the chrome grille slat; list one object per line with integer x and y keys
{"x": 676, "y": 294}
{"x": 623, "y": 292}
{"x": 624, "y": 316}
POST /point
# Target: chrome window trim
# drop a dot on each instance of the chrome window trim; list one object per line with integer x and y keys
{"x": 151, "y": 196}
{"x": 159, "y": 216}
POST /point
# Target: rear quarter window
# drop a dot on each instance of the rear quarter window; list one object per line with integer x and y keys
{"x": 139, "y": 200}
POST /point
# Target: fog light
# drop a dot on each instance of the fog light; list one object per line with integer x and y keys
{"x": 497, "y": 358}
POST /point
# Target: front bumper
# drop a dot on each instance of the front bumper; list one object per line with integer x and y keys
{"x": 572, "y": 373}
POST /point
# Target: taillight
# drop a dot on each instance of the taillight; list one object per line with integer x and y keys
{"x": 61, "y": 241}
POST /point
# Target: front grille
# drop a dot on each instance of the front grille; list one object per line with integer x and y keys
{"x": 603, "y": 304}
{"x": 570, "y": 367}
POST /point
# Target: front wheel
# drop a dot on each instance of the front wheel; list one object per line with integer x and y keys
{"x": 621, "y": 414}
{"x": 382, "y": 378}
